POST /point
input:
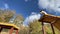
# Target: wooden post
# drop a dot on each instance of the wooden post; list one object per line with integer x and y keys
{"x": 16, "y": 31}
{"x": 1, "y": 29}
{"x": 52, "y": 28}
{"x": 43, "y": 30}
{"x": 11, "y": 30}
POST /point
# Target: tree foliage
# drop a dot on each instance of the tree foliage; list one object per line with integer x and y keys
{"x": 6, "y": 15}
{"x": 18, "y": 20}
{"x": 35, "y": 27}
{"x": 24, "y": 30}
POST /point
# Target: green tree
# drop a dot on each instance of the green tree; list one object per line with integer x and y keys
{"x": 35, "y": 27}
{"x": 18, "y": 20}
{"x": 6, "y": 15}
{"x": 24, "y": 30}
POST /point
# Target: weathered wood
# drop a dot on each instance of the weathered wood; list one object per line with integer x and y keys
{"x": 43, "y": 29}
{"x": 48, "y": 18}
{"x": 52, "y": 28}
{"x": 1, "y": 29}
{"x": 11, "y": 30}
{"x": 16, "y": 31}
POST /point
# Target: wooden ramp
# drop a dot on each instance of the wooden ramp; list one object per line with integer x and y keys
{"x": 48, "y": 18}
{"x": 9, "y": 26}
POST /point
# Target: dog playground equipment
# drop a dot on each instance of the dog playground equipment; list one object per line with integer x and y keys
{"x": 52, "y": 19}
{"x": 10, "y": 26}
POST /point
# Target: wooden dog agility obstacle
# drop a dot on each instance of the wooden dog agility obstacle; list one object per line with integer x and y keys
{"x": 9, "y": 26}
{"x": 52, "y": 19}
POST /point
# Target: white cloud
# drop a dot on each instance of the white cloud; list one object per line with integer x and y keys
{"x": 6, "y": 6}
{"x": 43, "y": 3}
{"x": 51, "y": 4}
{"x": 33, "y": 13}
{"x": 31, "y": 18}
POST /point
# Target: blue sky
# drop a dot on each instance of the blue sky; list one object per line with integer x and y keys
{"x": 24, "y": 7}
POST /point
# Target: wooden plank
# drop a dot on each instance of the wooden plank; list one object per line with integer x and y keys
{"x": 5, "y": 25}
{"x": 48, "y": 18}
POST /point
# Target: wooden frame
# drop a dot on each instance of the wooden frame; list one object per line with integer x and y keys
{"x": 12, "y": 27}
{"x": 52, "y": 19}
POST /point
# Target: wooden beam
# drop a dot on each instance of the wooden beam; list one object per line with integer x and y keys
{"x": 1, "y": 29}
{"x": 11, "y": 30}
{"x": 52, "y": 28}
{"x": 43, "y": 30}
{"x": 16, "y": 31}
